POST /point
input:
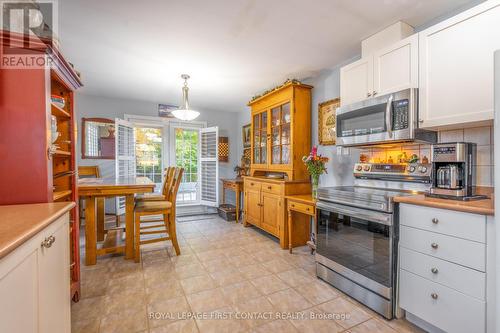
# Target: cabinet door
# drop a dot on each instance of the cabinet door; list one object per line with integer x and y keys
{"x": 54, "y": 274}
{"x": 456, "y": 67}
{"x": 280, "y": 134}
{"x": 271, "y": 212}
{"x": 356, "y": 81}
{"x": 19, "y": 300}
{"x": 252, "y": 207}
{"x": 259, "y": 138}
{"x": 396, "y": 67}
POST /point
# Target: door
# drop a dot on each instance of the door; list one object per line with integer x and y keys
{"x": 396, "y": 67}
{"x": 125, "y": 163}
{"x": 361, "y": 242}
{"x": 271, "y": 213}
{"x": 209, "y": 166}
{"x": 356, "y": 81}
{"x": 252, "y": 207}
{"x": 53, "y": 272}
{"x": 456, "y": 67}
{"x": 19, "y": 290}
{"x": 260, "y": 138}
{"x": 280, "y": 134}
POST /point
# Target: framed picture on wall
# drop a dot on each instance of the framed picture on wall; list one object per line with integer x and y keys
{"x": 245, "y": 132}
{"x": 165, "y": 110}
{"x": 327, "y": 127}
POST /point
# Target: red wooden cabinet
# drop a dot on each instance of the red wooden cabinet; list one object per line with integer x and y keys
{"x": 28, "y": 172}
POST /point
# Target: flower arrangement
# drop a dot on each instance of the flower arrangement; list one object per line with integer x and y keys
{"x": 315, "y": 165}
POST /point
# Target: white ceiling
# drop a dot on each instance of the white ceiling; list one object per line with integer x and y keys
{"x": 232, "y": 49}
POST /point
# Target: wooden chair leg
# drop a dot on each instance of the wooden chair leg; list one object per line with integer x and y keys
{"x": 137, "y": 237}
{"x": 172, "y": 233}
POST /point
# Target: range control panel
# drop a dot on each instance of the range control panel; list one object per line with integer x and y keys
{"x": 366, "y": 170}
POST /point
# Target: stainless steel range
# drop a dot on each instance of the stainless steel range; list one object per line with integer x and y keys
{"x": 358, "y": 231}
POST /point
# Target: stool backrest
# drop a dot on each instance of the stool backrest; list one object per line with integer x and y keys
{"x": 167, "y": 182}
{"x": 91, "y": 171}
{"x": 176, "y": 182}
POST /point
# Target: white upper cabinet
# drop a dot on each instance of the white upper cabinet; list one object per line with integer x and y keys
{"x": 391, "y": 69}
{"x": 396, "y": 67}
{"x": 456, "y": 67}
{"x": 356, "y": 81}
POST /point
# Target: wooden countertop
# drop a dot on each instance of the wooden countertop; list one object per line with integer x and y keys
{"x": 483, "y": 207}
{"x": 304, "y": 198}
{"x": 18, "y": 223}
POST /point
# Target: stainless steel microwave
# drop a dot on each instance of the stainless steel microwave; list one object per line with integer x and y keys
{"x": 390, "y": 118}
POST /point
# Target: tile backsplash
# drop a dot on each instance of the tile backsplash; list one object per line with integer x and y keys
{"x": 482, "y": 136}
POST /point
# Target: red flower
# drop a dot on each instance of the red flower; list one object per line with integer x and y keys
{"x": 314, "y": 151}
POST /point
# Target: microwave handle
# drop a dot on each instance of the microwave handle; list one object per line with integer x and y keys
{"x": 388, "y": 115}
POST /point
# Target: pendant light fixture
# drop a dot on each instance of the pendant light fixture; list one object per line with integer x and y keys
{"x": 184, "y": 113}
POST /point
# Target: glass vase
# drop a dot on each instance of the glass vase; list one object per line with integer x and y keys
{"x": 315, "y": 181}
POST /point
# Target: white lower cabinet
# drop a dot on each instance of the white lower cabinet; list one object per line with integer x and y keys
{"x": 34, "y": 283}
{"x": 443, "y": 268}
{"x": 441, "y": 306}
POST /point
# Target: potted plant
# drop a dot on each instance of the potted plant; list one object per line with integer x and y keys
{"x": 315, "y": 165}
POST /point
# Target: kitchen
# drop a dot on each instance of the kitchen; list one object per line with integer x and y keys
{"x": 398, "y": 236}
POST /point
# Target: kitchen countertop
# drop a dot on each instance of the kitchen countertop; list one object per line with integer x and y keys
{"x": 483, "y": 207}
{"x": 18, "y": 223}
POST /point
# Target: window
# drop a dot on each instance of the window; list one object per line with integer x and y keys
{"x": 148, "y": 152}
{"x": 187, "y": 157}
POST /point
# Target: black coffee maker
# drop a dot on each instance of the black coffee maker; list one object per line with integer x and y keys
{"x": 453, "y": 171}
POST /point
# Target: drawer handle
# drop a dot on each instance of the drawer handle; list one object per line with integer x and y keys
{"x": 435, "y": 221}
{"x": 48, "y": 241}
{"x": 293, "y": 206}
{"x": 434, "y": 245}
{"x": 434, "y": 270}
{"x": 307, "y": 208}
{"x": 269, "y": 188}
{"x": 434, "y": 296}
{"x": 252, "y": 184}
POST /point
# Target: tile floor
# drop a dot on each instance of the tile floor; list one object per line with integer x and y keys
{"x": 234, "y": 279}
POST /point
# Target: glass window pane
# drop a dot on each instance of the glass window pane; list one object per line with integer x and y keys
{"x": 276, "y": 136}
{"x": 285, "y": 154}
{"x": 263, "y": 152}
{"x": 264, "y": 120}
{"x": 256, "y": 121}
{"x": 275, "y": 113}
{"x": 276, "y": 155}
{"x": 285, "y": 113}
{"x": 285, "y": 134}
{"x": 148, "y": 151}
{"x": 186, "y": 156}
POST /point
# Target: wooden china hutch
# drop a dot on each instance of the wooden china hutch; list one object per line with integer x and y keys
{"x": 32, "y": 170}
{"x": 280, "y": 137}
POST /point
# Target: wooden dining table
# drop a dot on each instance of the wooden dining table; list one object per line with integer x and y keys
{"x": 90, "y": 189}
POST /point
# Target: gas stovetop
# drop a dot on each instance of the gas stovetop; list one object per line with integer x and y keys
{"x": 363, "y": 197}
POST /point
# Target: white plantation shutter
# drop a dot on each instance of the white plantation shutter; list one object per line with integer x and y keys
{"x": 209, "y": 166}
{"x": 125, "y": 156}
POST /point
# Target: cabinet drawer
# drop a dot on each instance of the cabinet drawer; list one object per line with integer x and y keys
{"x": 271, "y": 188}
{"x": 448, "y": 310}
{"x": 458, "y": 224}
{"x": 301, "y": 207}
{"x": 460, "y": 251}
{"x": 252, "y": 185}
{"x": 462, "y": 279}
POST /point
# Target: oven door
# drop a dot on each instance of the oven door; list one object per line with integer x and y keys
{"x": 377, "y": 120}
{"x": 357, "y": 244}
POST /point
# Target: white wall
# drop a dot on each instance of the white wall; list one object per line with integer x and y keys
{"x": 104, "y": 107}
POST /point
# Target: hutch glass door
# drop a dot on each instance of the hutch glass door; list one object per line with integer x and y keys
{"x": 280, "y": 134}
{"x": 260, "y": 138}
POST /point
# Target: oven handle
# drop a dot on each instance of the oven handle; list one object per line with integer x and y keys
{"x": 388, "y": 115}
{"x": 370, "y": 215}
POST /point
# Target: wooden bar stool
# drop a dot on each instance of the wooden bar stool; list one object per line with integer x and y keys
{"x": 168, "y": 174}
{"x": 166, "y": 208}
